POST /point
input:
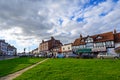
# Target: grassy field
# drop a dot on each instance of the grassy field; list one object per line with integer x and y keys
{"x": 74, "y": 69}
{"x": 13, "y": 65}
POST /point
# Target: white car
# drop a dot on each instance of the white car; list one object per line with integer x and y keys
{"x": 102, "y": 56}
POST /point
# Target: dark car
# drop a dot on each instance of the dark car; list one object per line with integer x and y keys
{"x": 87, "y": 56}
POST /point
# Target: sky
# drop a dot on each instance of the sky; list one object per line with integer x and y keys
{"x": 25, "y": 23}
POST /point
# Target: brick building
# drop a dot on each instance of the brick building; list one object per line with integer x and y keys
{"x": 48, "y": 46}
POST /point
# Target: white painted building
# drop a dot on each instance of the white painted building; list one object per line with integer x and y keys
{"x": 67, "y": 48}
{"x": 104, "y": 42}
{"x": 3, "y": 47}
{"x": 7, "y": 49}
{"x": 35, "y": 51}
{"x": 11, "y": 50}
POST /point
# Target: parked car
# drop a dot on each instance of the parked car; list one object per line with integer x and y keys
{"x": 23, "y": 55}
{"x": 36, "y": 55}
{"x": 87, "y": 55}
{"x": 102, "y": 56}
{"x": 72, "y": 56}
{"x": 60, "y": 55}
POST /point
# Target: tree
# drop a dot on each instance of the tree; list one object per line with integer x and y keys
{"x": 117, "y": 50}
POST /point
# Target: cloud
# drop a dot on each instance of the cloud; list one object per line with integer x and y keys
{"x": 27, "y": 22}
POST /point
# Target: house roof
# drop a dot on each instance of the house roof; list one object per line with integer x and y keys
{"x": 2, "y": 40}
{"x": 52, "y": 38}
{"x": 108, "y": 36}
{"x": 78, "y": 42}
{"x": 35, "y": 49}
{"x": 117, "y": 37}
{"x": 68, "y": 44}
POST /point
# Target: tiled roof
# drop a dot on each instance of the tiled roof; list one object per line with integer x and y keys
{"x": 117, "y": 37}
{"x": 109, "y": 36}
{"x": 48, "y": 41}
{"x": 78, "y": 42}
{"x": 68, "y": 44}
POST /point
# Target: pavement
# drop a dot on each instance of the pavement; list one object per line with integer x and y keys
{"x": 16, "y": 74}
{"x": 7, "y": 57}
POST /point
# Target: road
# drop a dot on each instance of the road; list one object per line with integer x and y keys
{"x": 7, "y": 57}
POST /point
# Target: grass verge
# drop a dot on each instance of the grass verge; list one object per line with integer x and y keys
{"x": 74, "y": 69}
{"x": 16, "y": 64}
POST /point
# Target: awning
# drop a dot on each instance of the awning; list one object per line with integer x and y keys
{"x": 98, "y": 49}
{"x": 85, "y": 50}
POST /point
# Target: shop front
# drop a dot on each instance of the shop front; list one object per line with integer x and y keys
{"x": 85, "y": 53}
{"x": 96, "y": 51}
{"x": 85, "y": 50}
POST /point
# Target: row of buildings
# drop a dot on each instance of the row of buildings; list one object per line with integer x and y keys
{"x": 99, "y": 43}
{"x": 7, "y": 49}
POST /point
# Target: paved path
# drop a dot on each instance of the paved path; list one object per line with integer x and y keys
{"x": 16, "y": 74}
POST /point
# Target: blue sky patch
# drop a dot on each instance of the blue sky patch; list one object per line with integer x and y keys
{"x": 93, "y": 3}
{"x": 72, "y": 17}
{"x": 103, "y": 14}
{"x": 60, "y": 21}
{"x": 79, "y": 19}
{"x": 115, "y": 1}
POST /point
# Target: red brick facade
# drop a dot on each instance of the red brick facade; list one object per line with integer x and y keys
{"x": 49, "y": 45}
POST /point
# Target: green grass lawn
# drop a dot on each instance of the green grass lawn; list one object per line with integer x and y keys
{"x": 74, "y": 69}
{"x": 13, "y": 65}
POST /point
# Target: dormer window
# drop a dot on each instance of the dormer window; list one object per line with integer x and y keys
{"x": 99, "y": 37}
{"x": 89, "y": 40}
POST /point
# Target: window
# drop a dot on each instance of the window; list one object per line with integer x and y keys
{"x": 77, "y": 47}
{"x": 112, "y": 43}
{"x": 100, "y": 44}
{"x": 68, "y": 47}
{"x": 63, "y": 48}
{"x": 89, "y": 40}
{"x": 89, "y": 45}
{"x": 103, "y": 43}
{"x": 82, "y": 46}
{"x": 109, "y": 44}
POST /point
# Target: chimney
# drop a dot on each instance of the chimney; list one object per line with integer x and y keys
{"x": 42, "y": 41}
{"x": 80, "y": 36}
{"x": 52, "y": 37}
{"x": 115, "y": 31}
